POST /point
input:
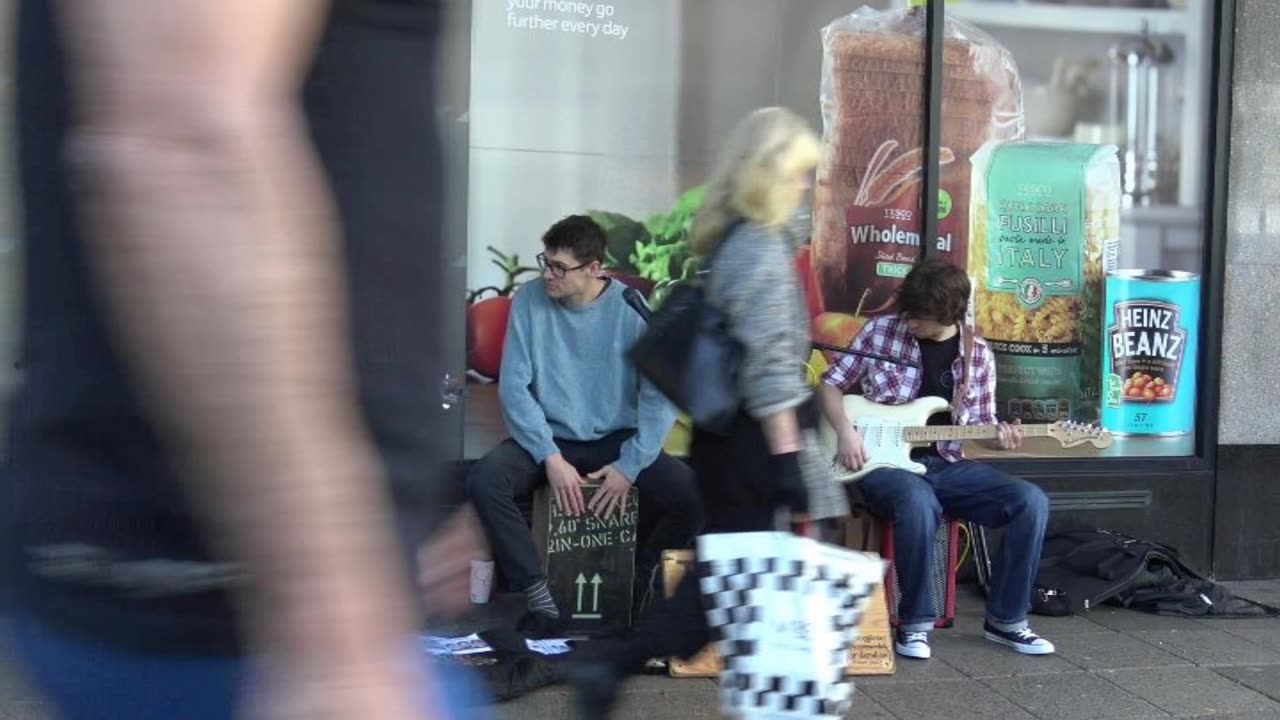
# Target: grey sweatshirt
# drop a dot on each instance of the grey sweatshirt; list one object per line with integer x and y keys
{"x": 753, "y": 281}
{"x": 565, "y": 376}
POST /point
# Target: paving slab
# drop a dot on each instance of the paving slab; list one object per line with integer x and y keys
{"x": 546, "y": 704}
{"x": 1191, "y": 691}
{"x": 1263, "y": 591}
{"x": 1126, "y": 620}
{"x": 1209, "y": 647}
{"x": 1263, "y": 678}
{"x": 866, "y": 708}
{"x": 693, "y": 703}
{"x": 951, "y": 699}
{"x": 1073, "y": 696}
{"x": 1267, "y": 637}
{"x": 640, "y": 684}
{"x": 1240, "y": 626}
{"x": 1260, "y": 715}
{"x": 977, "y": 657}
{"x": 1113, "y": 651}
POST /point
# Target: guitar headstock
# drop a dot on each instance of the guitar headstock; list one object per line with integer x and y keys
{"x": 1072, "y": 434}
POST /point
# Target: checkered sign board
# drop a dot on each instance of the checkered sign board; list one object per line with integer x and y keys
{"x": 785, "y": 610}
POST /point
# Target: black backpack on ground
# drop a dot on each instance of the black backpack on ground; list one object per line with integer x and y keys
{"x": 1082, "y": 569}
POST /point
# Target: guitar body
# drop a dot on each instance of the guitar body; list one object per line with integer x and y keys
{"x": 881, "y": 427}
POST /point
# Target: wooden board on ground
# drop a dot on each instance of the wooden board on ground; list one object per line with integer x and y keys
{"x": 872, "y": 652}
{"x": 589, "y": 562}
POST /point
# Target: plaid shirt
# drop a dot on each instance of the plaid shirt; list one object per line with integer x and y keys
{"x": 889, "y": 383}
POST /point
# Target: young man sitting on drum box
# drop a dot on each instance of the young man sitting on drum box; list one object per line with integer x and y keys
{"x": 940, "y": 357}
{"x": 578, "y": 413}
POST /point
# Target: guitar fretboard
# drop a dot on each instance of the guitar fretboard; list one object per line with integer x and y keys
{"x": 939, "y": 433}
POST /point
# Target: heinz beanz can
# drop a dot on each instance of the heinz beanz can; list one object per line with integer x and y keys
{"x": 1150, "y": 330}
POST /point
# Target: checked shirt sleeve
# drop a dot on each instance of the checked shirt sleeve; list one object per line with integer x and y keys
{"x": 848, "y": 370}
{"x": 983, "y": 411}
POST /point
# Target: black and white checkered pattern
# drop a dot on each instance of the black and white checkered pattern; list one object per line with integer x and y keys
{"x": 785, "y": 610}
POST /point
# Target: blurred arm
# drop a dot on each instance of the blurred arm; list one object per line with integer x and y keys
{"x": 210, "y": 234}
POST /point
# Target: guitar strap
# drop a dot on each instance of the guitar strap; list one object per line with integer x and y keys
{"x": 966, "y": 357}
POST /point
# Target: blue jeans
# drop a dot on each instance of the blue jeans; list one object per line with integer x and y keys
{"x": 964, "y": 490}
{"x": 87, "y": 681}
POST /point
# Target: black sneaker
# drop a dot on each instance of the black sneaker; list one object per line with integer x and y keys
{"x": 912, "y": 644}
{"x": 1024, "y": 641}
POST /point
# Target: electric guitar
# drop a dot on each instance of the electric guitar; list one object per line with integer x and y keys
{"x": 890, "y": 431}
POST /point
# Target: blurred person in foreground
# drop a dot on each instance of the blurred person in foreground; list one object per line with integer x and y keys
{"x": 230, "y": 369}
{"x": 768, "y": 464}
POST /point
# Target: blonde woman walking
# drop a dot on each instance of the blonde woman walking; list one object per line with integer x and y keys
{"x": 765, "y": 464}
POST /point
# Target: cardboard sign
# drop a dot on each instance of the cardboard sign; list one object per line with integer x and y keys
{"x": 589, "y": 562}
{"x": 872, "y": 652}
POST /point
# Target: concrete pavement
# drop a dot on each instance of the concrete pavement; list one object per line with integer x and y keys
{"x": 1112, "y": 664}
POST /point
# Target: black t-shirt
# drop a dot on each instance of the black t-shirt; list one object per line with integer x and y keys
{"x": 94, "y": 501}
{"x": 936, "y": 361}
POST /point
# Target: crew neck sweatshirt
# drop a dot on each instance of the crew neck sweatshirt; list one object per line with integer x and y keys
{"x": 565, "y": 376}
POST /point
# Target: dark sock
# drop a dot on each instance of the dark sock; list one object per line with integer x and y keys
{"x": 540, "y": 600}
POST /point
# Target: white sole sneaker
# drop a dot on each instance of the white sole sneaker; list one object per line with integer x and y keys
{"x": 1039, "y": 647}
{"x": 916, "y": 651}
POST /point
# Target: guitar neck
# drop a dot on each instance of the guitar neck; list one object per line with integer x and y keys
{"x": 940, "y": 433}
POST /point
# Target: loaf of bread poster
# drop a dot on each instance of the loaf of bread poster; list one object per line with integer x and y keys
{"x": 867, "y": 201}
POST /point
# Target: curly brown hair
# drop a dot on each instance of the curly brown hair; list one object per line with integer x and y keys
{"x": 935, "y": 290}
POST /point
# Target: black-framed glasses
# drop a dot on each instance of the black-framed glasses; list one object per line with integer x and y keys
{"x": 557, "y": 269}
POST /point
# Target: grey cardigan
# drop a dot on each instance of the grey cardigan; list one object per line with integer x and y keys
{"x": 752, "y": 280}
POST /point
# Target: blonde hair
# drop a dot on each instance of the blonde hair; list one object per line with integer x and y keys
{"x": 754, "y": 178}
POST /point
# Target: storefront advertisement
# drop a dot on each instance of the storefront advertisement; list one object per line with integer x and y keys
{"x": 1050, "y": 177}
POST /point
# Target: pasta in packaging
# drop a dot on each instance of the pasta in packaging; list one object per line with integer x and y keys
{"x": 1044, "y": 229}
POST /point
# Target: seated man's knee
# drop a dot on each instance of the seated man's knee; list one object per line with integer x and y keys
{"x": 902, "y": 496}
{"x": 1033, "y": 501}
{"x": 479, "y": 483}
{"x": 487, "y": 477}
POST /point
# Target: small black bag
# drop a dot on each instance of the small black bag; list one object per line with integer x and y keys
{"x": 689, "y": 355}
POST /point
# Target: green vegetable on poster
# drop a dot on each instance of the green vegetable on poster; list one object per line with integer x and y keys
{"x": 656, "y": 249}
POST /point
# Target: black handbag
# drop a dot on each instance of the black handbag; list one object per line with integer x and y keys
{"x": 689, "y": 355}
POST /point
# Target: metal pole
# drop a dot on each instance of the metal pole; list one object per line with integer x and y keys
{"x": 934, "y": 35}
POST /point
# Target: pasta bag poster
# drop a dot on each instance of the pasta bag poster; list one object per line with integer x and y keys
{"x": 1044, "y": 231}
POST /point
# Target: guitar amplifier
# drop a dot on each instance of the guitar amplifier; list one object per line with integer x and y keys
{"x": 942, "y": 571}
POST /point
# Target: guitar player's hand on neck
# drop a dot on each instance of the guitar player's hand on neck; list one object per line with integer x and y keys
{"x": 1010, "y": 437}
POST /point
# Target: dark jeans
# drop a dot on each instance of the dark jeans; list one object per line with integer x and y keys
{"x": 670, "y": 510}
{"x": 969, "y": 491}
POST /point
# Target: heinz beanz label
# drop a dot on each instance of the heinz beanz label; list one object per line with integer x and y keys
{"x": 1149, "y": 366}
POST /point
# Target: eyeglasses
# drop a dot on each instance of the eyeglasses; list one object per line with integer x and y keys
{"x": 557, "y": 269}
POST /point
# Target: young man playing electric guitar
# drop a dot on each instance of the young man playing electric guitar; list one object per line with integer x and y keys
{"x": 939, "y": 356}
